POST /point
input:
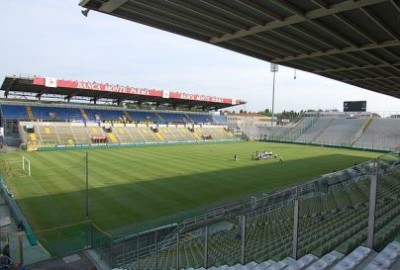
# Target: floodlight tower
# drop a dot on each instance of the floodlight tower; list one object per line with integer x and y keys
{"x": 274, "y": 69}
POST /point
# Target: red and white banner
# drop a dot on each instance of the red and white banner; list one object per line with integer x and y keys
{"x": 165, "y": 94}
{"x": 50, "y": 82}
{"x": 200, "y": 98}
{"x": 53, "y": 82}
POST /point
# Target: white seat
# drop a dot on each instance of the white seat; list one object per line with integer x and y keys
{"x": 364, "y": 251}
{"x": 319, "y": 265}
{"x": 264, "y": 265}
{"x": 277, "y": 266}
{"x": 355, "y": 257}
{"x": 250, "y": 265}
{"x": 389, "y": 255}
{"x": 306, "y": 260}
{"x": 395, "y": 246}
{"x": 301, "y": 263}
{"x": 326, "y": 261}
{"x": 345, "y": 264}
{"x": 329, "y": 258}
{"x": 379, "y": 263}
{"x": 386, "y": 257}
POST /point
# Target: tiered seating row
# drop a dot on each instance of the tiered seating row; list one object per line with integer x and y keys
{"x": 381, "y": 133}
{"x": 361, "y": 258}
{"x": 43, "y": 112}
{"x": 56, "y": 133}
{"x": 368, "y": 133}
{"x": 333, "y": 220}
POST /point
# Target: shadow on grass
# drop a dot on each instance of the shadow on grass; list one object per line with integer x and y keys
{"x": 138, "y": 206}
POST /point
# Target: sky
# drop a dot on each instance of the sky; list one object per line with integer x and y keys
{"x": 53, "y": 39}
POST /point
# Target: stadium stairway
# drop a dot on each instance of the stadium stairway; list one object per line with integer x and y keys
{"x": 197, "y": 134}
{"x": 122, "y": 134}
{"x": 128, "y": 116}
{"x": 361, "y": 131}
{"x": 32, "y": 137}
{"x": 323, "y": 130}
{"x": 160, "y": 136}
{"x": 111, "y": 136}
{"x": 30, "y": 113}
{"x": 85, "y": 116}
{"x": 361, "y": 258}
{"x": 159, "y": 117}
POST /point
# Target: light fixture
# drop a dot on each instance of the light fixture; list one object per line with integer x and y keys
{"x": 274, "y": 69}
{"x": 85, "y": 12}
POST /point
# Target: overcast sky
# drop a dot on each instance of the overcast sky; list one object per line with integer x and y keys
{"x": 53, "y": 39}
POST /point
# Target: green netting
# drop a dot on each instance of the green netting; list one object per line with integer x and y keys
{"x": 65, "y": 239}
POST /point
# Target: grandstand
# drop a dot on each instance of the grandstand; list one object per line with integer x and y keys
{"x": 366, "y": 131}
{"x": 35, "y": 124}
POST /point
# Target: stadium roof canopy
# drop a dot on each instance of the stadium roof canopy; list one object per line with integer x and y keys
{"x": 47, "y": 87}
{"x": 353, "y": 41}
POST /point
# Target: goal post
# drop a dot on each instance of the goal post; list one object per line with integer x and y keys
{"x": 26, "y": 165}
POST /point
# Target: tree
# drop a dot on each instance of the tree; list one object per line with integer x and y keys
{"x": 266, "y": 112}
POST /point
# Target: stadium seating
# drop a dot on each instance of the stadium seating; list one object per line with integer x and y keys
{"x": 361, "y": 258}
{"x": 203, "y": 119}
{"x": 380, "y": 134}
{"x": 388, "y": 258}
{"x": 332, "y": 224}
{"x": 220, "y": 119}
{"x": 326, "y": 130}
{"x": 90, "y": 119}
{"x": 216, "y": 132}
{"x": 47, "y": 134}
{"x": 289, "y": 132}
{"x": 315, "y": 130}
{"x": 122, "y": 134}
{"x": 174, "y": 118}
{"x": 56, "y": 113}
{"x": 104, "y": 115}
{"x": 335, "y": 130}
{"x": 299, "y": 128}
{"x": 144, "y": 116}
{"x": 340, "y": 131}
{"x": 13, "y": 111}
{"x": 65, "y": 134}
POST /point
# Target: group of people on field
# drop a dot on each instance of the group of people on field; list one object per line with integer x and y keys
{"x": 260, "y": 155}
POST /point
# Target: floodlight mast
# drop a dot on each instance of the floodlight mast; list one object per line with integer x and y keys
{"x": 274, "y": 69}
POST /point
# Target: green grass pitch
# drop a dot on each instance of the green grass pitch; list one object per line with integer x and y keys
{"x": 136, "y": 184}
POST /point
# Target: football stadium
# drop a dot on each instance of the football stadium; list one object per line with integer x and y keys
{"x": 96, "y": 175}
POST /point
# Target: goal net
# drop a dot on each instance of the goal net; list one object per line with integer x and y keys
{"x": 26, "y": 165}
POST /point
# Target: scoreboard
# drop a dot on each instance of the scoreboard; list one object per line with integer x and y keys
{"x": 354, "y": 106}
